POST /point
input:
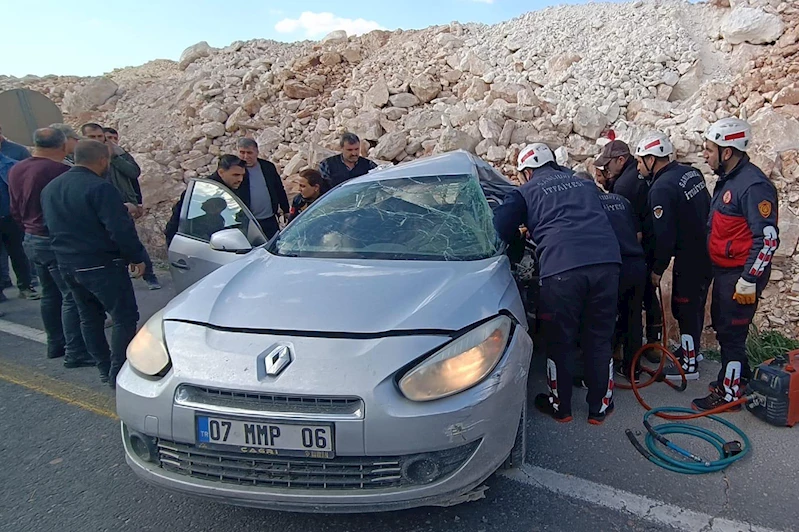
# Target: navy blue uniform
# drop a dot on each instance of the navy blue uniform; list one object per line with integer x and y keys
{"x": 743, "y": 237}
{"x": 629, "y": 330}
{"x": 632, "y": 185}
{"x": 679, "y": 204}
{"x": 94, "y": 238}
{"x": 579, "y": 260}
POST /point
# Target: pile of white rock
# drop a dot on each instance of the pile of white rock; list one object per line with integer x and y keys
{"x": 569, "y": 76}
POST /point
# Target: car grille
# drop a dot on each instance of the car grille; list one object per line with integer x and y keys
{"x": 197, "y": 397}
{"x": 340, "y": 473}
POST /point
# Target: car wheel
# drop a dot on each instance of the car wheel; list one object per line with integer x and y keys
{"x": 519, "y": 451}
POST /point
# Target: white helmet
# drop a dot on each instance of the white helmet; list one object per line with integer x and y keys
{"x": 656, "y": 144}
{"x": 730, "y": 132}
{"x": 535, "y": 156}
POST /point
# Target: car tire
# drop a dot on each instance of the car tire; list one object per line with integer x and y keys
{"x": 519, "y": 450}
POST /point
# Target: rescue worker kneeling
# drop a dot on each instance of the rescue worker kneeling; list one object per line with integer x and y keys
{"x": 743, "y": 238}
{"x": 579, "y": 262}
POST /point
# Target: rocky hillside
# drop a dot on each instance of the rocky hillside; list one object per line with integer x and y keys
{"x": 570, "y": 76}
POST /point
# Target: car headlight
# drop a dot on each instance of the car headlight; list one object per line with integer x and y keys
{"x": 460, "y": 364}
{"x": 147, "y": 351}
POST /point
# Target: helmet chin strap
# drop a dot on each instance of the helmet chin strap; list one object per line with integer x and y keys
{"x": 650, "y": 168}
{"x": 720, "y": 171}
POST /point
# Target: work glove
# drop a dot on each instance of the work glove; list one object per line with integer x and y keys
{"x": 745, "y": 292}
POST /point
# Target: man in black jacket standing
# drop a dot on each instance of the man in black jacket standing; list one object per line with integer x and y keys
{"x": 230, "y": 172}
{"x": 93, "y": 249}
{"x": 618, "y": 173}
{"x": 349, "y": 164}
{"x": 265, "y": 187}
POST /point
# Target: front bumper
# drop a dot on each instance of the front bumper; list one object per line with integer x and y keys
{"x": 479, "y": 423}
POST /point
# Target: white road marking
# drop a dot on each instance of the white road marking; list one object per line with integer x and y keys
{"x": 29, "y": 333}
{"x": 570, "y": 486}
{"x": 642, "y": 507}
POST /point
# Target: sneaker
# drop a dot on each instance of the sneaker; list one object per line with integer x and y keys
{"x": 153, "y": 284}
{"x": 716, "y": 385}
{"x": 104, "y": 377}
{"x": 672, "y": 373}
{"x": 544, "y": 406}
{"x": 714, "y": 400}
{"x": 598, "y": 419}
{"x": 6, "y": 283}
{"x": 29, "y": 294}
{"x": 79, "y": 363}
{"x": 624, "y": 373}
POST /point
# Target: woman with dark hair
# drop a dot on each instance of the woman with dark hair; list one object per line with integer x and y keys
{"x": 312, "y": 186}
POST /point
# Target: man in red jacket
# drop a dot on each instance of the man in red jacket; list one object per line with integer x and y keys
{"x": 743, "y": 239}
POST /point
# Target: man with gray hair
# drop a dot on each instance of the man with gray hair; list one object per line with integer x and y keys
{"x": 94, "y": 250}
{"x": 349, "y": 164}
{"x": 59, "y": 312}
{"x": 72, "y": 141}
{"x": 264, "y": 187}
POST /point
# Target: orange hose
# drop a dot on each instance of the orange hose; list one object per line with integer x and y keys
{"x": 655, "y": 375}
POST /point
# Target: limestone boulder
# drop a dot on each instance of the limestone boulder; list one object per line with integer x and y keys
{"x": 193, "y": 53}
{"x": 752, "y": 25}
{"x": 390, "y": 146}
{"x": 425, "y": 87}
{"x": 589, "y": 122}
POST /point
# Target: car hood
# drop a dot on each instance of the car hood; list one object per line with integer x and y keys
{"x": 267, "y": 292}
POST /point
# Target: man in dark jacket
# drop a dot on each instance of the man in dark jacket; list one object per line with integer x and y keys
{"x": 743, "y": 236}
{"x": 619, "y": 175}
{"x": 679, "y": 203}
{"x": 579, "y": 262}
{"x": 123, "y": 173}
{"x": 349, "y": 164}
{"x": 265, "y": 188}
{"x": 230, "y": 172}
{"x": 94, "y": 240}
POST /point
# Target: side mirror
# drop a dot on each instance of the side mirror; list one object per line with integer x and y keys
{"x": 230, "y": 240}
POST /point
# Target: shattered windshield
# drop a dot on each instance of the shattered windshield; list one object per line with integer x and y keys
{"x": 423, "y": 218}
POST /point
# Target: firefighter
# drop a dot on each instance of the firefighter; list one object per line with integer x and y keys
{"x": 743, "y": 238}
{"x": 618, "y": 174}
{"x": 579, "y": 261}
{"x": 679, "y": 203}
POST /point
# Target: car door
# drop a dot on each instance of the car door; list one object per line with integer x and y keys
{"x": 208, "y": 207}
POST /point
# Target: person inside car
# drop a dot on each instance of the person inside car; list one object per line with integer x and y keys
{"x": 312, "y": 186}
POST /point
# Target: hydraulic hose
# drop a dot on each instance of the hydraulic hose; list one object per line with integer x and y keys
{"x": 688, "y": 463}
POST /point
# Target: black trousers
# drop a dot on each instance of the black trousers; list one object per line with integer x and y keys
{"x": 12, "y": 236}
{"x": 731, "y": 321}
{"x": 629, "y": 327}
{"x": 654, "y": 315}
{"x": 577, "y": 310}
{"x": 269, "y": 226}
{"x": 689, "y": 288}
{"x": 97, "y": 291}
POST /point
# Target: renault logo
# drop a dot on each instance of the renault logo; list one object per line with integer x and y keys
{"x": 277, "y": 360}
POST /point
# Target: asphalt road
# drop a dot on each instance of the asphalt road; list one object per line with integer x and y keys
{"x": 63, "y": 466}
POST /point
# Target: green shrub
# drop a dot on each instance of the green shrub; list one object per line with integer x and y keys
{"x": 760, "y": 346}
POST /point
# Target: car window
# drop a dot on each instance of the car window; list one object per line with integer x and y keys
{"x": 419, "y": 218}
{"x": 212, "y": 209}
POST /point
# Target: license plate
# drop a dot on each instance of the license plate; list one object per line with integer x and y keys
{"x": 266, "y": 437}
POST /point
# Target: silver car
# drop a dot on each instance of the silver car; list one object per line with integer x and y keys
{"x": 372, "y": 356}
